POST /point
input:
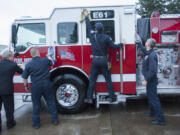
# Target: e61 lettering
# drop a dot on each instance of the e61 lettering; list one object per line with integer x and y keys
{"x": 102, "y": 14}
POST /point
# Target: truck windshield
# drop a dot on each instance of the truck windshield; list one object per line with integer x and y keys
{"x": 30, "y": 34}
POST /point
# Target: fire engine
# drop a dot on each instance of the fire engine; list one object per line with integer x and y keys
{"x": 64, "y": 32}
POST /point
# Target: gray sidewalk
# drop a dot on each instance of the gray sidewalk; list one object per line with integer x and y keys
{"x": 108, "y": 120}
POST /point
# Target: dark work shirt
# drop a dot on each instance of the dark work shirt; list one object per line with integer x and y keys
{"x": 7, "y": 71}
{"x": 104, "y": 41}
{"x": 150, "y": 64}
{"x": 38, "y": 69}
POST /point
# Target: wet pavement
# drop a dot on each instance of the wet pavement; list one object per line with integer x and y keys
{"x": 121, "y": 119}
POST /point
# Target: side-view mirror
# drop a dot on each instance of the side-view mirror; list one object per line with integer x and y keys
{"x": 13, "y": 34}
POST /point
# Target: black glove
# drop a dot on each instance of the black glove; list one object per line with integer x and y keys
{"x": 137, "y": 42}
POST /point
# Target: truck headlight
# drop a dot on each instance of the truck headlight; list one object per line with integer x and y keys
{"x": 169, "y": 37}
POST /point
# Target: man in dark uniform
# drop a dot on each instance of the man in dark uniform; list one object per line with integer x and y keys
{"x": 38, "y": 69}
{"x": 149, "y": 71}
{"x": 7, "y": 71}
{"x": 99, "y": 43}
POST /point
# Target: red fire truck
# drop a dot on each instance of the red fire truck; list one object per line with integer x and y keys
{"x": 68, "y": 36}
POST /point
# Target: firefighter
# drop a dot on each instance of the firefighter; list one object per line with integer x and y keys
{"x": 99, "y": 43}
{"x": 38, "y": 69}
{"x": 7, "y": 71}
{"x": 149, "y": 71}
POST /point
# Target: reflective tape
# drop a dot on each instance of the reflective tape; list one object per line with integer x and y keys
{"x": 114, "y": 77}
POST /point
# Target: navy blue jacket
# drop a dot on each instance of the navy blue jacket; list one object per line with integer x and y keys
{"x": 7, "y": 71}
{"x": 38, "y": 69}
{"x": 150, "y": 64}
{"x": 103, "y": 40}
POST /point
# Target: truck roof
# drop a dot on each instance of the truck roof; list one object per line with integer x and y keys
{"x": 30, "y": 18}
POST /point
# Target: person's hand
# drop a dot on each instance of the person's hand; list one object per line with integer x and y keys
{"x": 50, "y": 58}
{"x": 21, "y": 66}
{"x": 124, "y": 42}
{"x": 26, "y": 88}
{"x": 137, "y": 42}
{"x": 85, "y": 12}
{"x": 144, "y": 83}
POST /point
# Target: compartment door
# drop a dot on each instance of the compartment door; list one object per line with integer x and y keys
{"x": 128, "y": 58}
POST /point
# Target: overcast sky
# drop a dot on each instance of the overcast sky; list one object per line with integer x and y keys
{"x": 12, "y": 9}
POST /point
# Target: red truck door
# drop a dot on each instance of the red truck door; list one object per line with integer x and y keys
{"x": 127, "y": 32}
{"x": 29, "y": 34}
{"x": 118, "y": 25}
{"x": 106, "y": 16}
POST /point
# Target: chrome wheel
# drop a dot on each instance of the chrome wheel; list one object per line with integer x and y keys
{"x": 67, "y": 95}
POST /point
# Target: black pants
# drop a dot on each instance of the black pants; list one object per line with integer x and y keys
{"x": 45, "y": 89}
{"x": 8, "y": 101}
{"x": 100, "y": 65}
{"x": 153, "y": 100}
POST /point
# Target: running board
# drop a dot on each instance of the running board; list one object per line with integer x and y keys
{"x": 161, "y": 91}
{"x": 102, "y": 98}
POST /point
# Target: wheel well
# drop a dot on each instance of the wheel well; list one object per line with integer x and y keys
{"x": 69, "y": 70}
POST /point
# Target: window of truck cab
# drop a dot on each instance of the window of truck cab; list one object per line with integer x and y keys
{"x": 29, "y": 34}
{"x": 67, "y": 33}
{"x": 106, "y": 17}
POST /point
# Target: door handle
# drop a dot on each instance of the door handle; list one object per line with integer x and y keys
{"x": 124, "y": 52}
{"x": 117, "y": 56}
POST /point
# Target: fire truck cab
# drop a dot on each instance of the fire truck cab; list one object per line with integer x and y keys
{"x": 68, "y": 36}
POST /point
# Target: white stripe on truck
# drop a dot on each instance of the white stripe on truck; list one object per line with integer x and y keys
{"x": 18, "y": 79}
{"x": 115, "y": 78}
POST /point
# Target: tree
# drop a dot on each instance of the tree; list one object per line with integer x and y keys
{"x": 146, "y": 7}
{"x": 173, "y": 7}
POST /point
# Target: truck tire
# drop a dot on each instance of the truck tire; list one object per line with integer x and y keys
{"x": 70, "y": 92}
